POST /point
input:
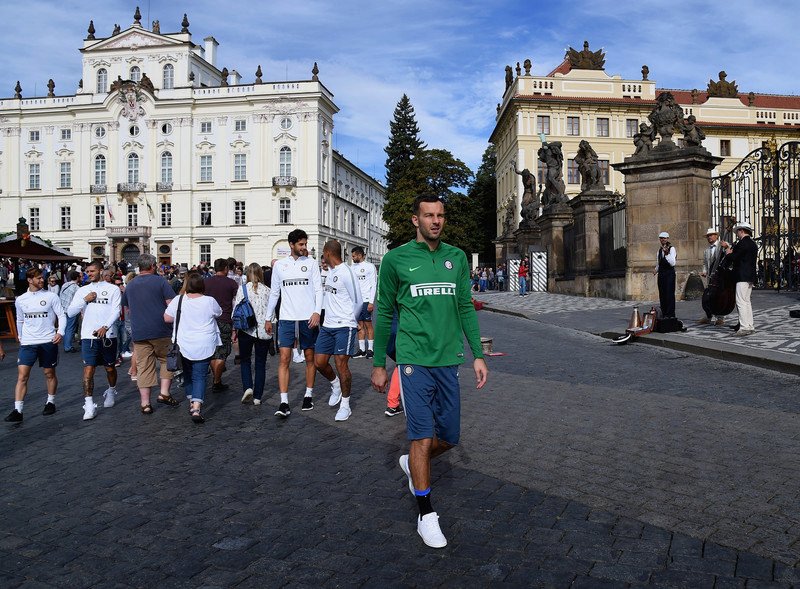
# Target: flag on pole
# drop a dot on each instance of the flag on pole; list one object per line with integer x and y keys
{"x": 108, "y": 208}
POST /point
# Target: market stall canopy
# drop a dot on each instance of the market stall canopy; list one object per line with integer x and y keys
{"x": 34, "y": 249}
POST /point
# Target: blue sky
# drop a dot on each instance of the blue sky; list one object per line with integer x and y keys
{"x": 447, "y": 55}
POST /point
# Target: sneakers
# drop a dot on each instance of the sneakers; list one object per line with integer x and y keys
{"x": 343, "y": 413}
{"x": 390, "y": 411}
{"x": 118, "y": 363}
{"x": 126, "y": 354}
{"x": 336, "y": 396}
{"x": 360, "y": 354}
{"x": 283, "y": 410}
{"x": 308, "y": 403}
{"x": 110, "y": 397}
{"x": 406, "y": 469}
{"x": 256, "y": 401}
{"x": 15, "y": 416}
{"x": 429, "y": 530}
{"x": 247, "y": 398}
{"x": 370, "y": 354}
{"x": 743, "y": 332}
{"x": 298, "y": 358}
{"x": 49, "y": 409}
{"x": 89, "y": 411}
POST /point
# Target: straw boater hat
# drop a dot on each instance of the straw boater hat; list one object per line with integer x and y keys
{"x": 744, "y": 225}
{"x": 663, "y": 234}
{"x": 711, "y": 231}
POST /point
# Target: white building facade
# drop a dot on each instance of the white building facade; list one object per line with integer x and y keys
{"x": 161, "y": 151}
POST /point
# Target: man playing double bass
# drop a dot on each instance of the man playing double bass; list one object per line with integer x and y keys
{"x": 742, "y": 255}
{"x": 711, "y": 259}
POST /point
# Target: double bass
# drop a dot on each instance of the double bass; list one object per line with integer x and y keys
{"x": 719, "y": 297}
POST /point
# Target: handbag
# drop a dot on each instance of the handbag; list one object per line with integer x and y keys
{"x": 174, "y": 358}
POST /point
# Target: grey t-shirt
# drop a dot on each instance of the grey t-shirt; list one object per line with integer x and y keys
{"x": 146, "y": 296}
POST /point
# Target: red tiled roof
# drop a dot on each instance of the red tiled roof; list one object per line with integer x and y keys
{"x": 563, "y": 68}
{"x": 788, "y": 102}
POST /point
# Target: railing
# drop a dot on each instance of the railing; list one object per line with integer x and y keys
{"x": 613, "y": 239}
{"x": 135, "y": 231}
{"x": 131, "y": 187}
{"x": 284, "y": 181}
{"x": 98, "y": 189}
{"x": 163, "y": 186}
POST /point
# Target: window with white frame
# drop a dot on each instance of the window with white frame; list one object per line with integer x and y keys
{"x": 136, "y": 74}
{"x": 543, "y": 124}
{"x": 166, "y": 167}
{"x": 102, "y": 81}
{"x": 34, "y": 176}
{"x": 100, "y": 132}
{"x": 239, "y": 217}
{"x": 33, "y": 218}
{"x": 205, "y": 253}
{"x": 325, "y": 212}
{"x": 66, "y": 218}
{"x": 285, "y": 168}
{"x": 205, "y": 214}
{"x": 573, "y": 125}
{"x": 602, "y": 127}
{"x": 65, "y": 175}
{"x": 169, "y": 77}
{"x": 166, "y": 214}
{"x": 285, "y": 211}
{"x": 573, "y": 176}
{"x": 66, "y": 134}
{"x": 631, "y": 127}
{"x": 206, "y": 168}
{"x": 34, "y": 136}
{"x": 603, "y": 165}
{"x": 205, "y": 127}
{"x": 240, "y": 166}
{"x": 240, "y": 125}
{"x": 99, "y": 216}
{"x": 133, "y": 168}
{"x": 133, "y": 215}
{"x": 99, "y": 170}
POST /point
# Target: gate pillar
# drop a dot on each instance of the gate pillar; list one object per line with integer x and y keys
{"x": 665, "y": 191}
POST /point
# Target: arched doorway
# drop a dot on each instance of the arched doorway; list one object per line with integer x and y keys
{"x": 130, "y": 253}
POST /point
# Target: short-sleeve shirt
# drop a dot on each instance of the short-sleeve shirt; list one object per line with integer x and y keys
{"x": 198, "y": 334}
{"x": 146, "y": 296}
{"x": 223, "y": 290}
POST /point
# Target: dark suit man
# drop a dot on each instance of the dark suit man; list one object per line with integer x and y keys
{"x": 743, "y": 256}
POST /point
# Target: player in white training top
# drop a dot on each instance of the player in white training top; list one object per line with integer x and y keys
{"x": 368, "y": 281}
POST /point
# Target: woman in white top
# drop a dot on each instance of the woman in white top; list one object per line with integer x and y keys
{"x": 256, "y": 338}
{"x": 52, "y": 285}
{"x": 197, "y": 335}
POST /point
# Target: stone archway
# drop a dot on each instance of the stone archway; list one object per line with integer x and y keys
{"x": 130, "y": 253}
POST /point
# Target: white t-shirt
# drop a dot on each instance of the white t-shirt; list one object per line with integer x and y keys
{"x": 298, "y": 284}
{"x": 104, "y": 310}
{"x": 198, "y": 334}
{"x": 342, "y": 298}
{"x": 367, "y": 280}
{"x": 36, "y": 317}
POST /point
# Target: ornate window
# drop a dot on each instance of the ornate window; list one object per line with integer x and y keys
{"x": 133, "y": 168}
{"x": 285, "y": 161}
{"x": 206, "y": 168}
{"x": 240, "y": 166}
{"x": 205, "y": 127}
{"x": 286, "y": 123}
{"x": 66, "y": 134}
{"x": 285, "y": 211}
{"x": 65, "y": 175}
{"x": 166, "y": 167}
{"x": 240, "y": 125}
{"x": 100, "y": 170}
{"x": 33, "y": 218}
{"x": 133, "y": 215}
{"x": 34, "y": 176}
{"x": 102, "y": 81}
{"x": 136, "y": 74}
{"x": 34, "y": 136}
{"x": 99, "y": 216}
{"x": 100, "y": 132}
{"x": 169, "y": 77}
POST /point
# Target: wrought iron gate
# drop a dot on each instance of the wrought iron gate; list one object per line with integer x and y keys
{"x": 764, "y": 190}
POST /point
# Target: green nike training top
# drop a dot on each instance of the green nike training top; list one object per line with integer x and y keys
{"x": 432, "y": 293}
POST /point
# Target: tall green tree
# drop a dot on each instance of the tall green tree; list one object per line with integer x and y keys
{"x": 483, "y": 193}
{"x": 404, "y": 142}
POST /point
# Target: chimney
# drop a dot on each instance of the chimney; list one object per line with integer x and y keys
{"x": 211, "y": 50}
{"x": 236, "y": 78}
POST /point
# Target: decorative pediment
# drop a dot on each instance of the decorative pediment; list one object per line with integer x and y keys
{"x": 240, "y": 144}
{"x": 133, "y": 60}
{"x": 65, "y": 153}
{"x": 165, "y": 144}
{"x": 99, "y": 62}
{"x": 33, "y": 154}
{"x": 133, "y": 38}
{"x": 283, "y": 136}
{"x": 98, "y": 147}
{"x": 205, "y": 146}
{"x": 166, "y": 57}
{"x": 132, "y": 144}
{"x": 284, "y": 107}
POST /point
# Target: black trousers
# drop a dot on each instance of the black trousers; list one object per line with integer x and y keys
{"x": 666, "y": 292}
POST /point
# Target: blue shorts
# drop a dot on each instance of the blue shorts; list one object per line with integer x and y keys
{"x": 364, "y": 315}
{"x": 47, "y": 354}
{"x": 338, "y": 341}
{"x": 432, "y": 402}
{"x": 99, "y": 352}
{"x": 288, "y": 331}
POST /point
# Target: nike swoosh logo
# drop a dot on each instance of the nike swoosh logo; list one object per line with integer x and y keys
{"x": 412, "y": 269}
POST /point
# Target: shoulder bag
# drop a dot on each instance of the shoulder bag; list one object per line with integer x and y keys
{"x": 174, "y": 358}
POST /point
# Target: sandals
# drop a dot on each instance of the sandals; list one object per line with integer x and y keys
{"x": 147, "y": 409}
{"x": 171, "y": 401}
{"x": 196, "y": 417}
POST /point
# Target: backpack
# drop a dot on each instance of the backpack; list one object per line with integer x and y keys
{"x": 243, "y": 315}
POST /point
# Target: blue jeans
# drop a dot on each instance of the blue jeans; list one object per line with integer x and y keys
{"x": 246, "y": 345}
{"x": 69, "y": 333}
{"x": 482, "y": 285}
{"x": 523, "y": 285}
{"x": 122, "y": 336}
{"x": 194, "y": 378}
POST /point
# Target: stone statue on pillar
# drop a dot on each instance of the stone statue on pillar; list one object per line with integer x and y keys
{"x": 555, "y": 192}
{"x": 530, "y": 201}
{"x": 589, "y": 168}
{"x": 508, "y": 219}
{"x": 667, "y": 118}
{"x": 643, "y": 140}
{"x": 692, "y": 134}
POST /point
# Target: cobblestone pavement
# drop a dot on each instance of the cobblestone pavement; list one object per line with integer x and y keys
{"x": 665, "y": 471}
{"x": 537, "y": 303}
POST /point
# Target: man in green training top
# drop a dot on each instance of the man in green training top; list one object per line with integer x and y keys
{"x": 428, "y": 282}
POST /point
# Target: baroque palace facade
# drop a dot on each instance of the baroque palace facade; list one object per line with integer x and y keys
{"x": 161, "y": 151}
{"x": 579, "y": 101}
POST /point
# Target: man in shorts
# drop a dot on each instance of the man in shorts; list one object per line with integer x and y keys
{"x": 338, "y": 333}
{"x": 37, "y": 312}
{"x": 99, "y": 301}
{"x": 223, "y": 290}
{"x": 428, "y": 282}
{"x": 368, "y": 281}
{"x": 296, "y": 281}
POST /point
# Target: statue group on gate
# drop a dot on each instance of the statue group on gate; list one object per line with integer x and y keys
{"x": 529, "y": 207}
{"x": 667, "y": 119}
{"x": 555, "y": 192}
{"x": 589, "y": 168}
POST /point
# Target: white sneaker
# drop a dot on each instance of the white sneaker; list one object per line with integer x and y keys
{"x": 406, "y": 469}
{"x": 298, "y": 358}
{"x": 126, "y": 354}
{"x": 110, "y": 397}
{"x": 247, "y": 397}
{"x": 256, "y": 401}
{"x": 429, "y": 530}
{"x": 336, "y": 396}
{"x": 343, "y": 413}
{"x": 89, "y": 411}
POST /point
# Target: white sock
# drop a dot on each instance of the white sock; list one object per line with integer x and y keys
{"x": 88, "y": 401}
{"x": 345, "y": 402}
{"x": 18, "y": 405}
{"x": 362, "y": 345}
{"x": 309, "y": 391}
{"x": 113, "y": 389}
{"x": 284, "y": 397}
{"x": 51, "y": 399}
{"x": 336, "y": 384}
{"x": 371, "y": 344}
